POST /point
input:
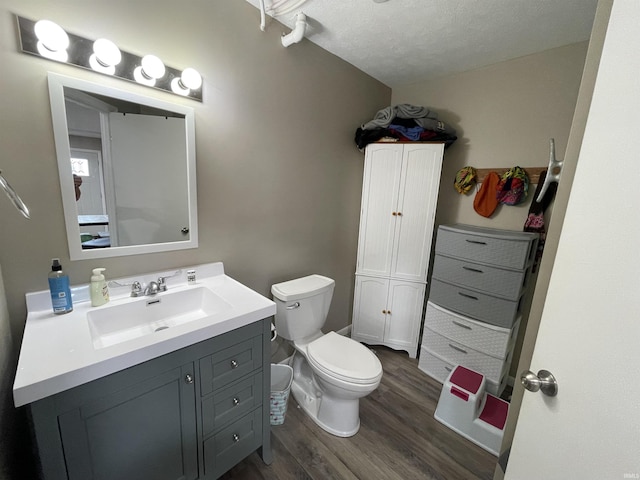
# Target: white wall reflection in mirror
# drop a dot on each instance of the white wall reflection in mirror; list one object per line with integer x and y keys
{"x": 127, "y": 170}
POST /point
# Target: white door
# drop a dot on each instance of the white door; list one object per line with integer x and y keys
{"x": 369, "y": 307}
{"x": 418, "y": 195}
{"x": 589, "y": 336}
{"x": 404, "y": 313}
{"x": 379, "y": 202}
{"x": 147, "y": 147}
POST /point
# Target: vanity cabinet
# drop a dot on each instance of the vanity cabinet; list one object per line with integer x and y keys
{"x": 399, "y": 197}
{"x": 191, "y": 414}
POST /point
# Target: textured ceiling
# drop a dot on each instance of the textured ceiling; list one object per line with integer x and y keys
{"x": 401, "y": 42}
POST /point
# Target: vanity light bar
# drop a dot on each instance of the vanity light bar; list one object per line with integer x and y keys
{"x": 48, "y": 40}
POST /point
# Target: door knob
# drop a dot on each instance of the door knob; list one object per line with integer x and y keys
{"x": 543, "y": 381}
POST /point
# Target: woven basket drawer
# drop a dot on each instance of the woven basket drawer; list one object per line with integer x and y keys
{"x": 477, "y": 305}
{"x": 439, "y": 370}
{"x": 494, "y": 281}
{"x": 455, "y": 353}
{"x": 495, "y": 247}
{"x": 480, "y": 336}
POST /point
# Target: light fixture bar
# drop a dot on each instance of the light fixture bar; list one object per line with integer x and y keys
{"x": 81, "y": 49}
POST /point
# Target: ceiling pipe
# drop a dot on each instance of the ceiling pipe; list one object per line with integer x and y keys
{"x": 297, "y": 34}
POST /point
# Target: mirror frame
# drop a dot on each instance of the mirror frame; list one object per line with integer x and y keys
{"x": 57, "y": 83}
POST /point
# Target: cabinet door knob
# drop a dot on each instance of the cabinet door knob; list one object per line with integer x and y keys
{"x": 384, "y": 312}
{"x": 388, "y": 312}
{"x": 236, "y": 401}
{"x": 236, "y": 438}
{"x": 188, "y": 378}
{"x": 399, "y": 214}
{"x": 233, "y": 364}
{"x": 394, "y": 213}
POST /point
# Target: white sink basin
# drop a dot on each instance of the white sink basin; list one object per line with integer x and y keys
{"x": 113, "y": 324}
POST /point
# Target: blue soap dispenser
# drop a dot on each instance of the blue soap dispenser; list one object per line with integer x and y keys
{"x": 60, "y": 289}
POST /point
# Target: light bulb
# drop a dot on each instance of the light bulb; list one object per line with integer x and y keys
{"x": 151, "y": 68}
{"x": 53, "y": 41}
{"x": 105, "y": 57}
{"x": 189, "y": 80}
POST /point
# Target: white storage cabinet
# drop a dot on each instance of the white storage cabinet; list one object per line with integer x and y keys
{"x": 399, "y": 197}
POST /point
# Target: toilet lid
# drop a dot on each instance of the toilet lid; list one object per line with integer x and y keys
{"x": 344, "y": 358}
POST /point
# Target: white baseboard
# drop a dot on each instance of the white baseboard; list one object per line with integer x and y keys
{"x": 346, "y": 331}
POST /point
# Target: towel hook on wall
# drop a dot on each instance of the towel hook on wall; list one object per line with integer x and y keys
{"x": 13, "y": 196}
{"x": 553, "y": 172}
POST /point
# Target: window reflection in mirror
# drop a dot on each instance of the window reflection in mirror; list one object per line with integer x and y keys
{"x": 127, "y": 170}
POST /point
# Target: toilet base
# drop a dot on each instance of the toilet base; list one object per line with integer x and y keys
{"x": 326, "y": 412}
{"x": 338, "y": 416}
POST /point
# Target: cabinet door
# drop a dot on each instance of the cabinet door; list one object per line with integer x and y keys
{"x": 369, "y": 307}
{"x": 381, "y": 181}
{"x": 147, "y": 431}
{"x": 418, "y": 196}
{"x": 405, "y": 305}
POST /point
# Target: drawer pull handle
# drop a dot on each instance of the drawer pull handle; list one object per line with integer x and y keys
{"x": 448, "y": 369}
{"x": 188, "y": 378}
{"x": 461, "y": 325}
{"x": 461, "y": 350}
{"x": 236, "y": 401}
{"x": 236, "y": 437}
{"x": 233, "y": 364}
{"x": 476, "y": 242}
{"x": 468, "y": 296}
{"x": 470, "y": 269}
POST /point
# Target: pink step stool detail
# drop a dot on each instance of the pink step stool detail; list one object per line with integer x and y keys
{"x": 495, "y": 412}
{"x": 466, "y": 408}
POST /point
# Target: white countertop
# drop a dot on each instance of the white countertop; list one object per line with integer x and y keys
{"x": 57, "y": 351}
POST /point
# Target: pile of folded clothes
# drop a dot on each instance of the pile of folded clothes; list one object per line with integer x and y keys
{"x": 405, "y": 122}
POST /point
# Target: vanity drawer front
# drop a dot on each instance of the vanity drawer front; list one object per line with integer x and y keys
{"x": 456, "y": 353}
{"x": 439, "y": 369}
{"x": 230, "y": 364}
{"x": 477, "y": 305}
{"x": 494, "y": 281}
{"x": 480, "y": 336}
{"x": 232, "y": 444}
{"x": 503, "y": 249}
{"x": 231, "y": 403}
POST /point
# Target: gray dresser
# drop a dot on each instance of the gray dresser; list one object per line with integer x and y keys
{"x": 479, "y": 279}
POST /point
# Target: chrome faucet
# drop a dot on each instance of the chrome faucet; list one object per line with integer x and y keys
{"x": 152, "y": 288}
{"x": 137, "y": 289}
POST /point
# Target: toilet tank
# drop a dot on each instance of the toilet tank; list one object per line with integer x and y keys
{"x": 302, "y": 306}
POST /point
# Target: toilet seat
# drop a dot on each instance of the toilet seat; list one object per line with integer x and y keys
{"x": 344, "y": 359}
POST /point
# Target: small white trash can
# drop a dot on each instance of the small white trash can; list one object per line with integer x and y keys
{"x": 281, "y": 378}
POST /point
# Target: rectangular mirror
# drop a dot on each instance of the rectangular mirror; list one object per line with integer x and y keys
{"x": 127, "y": 170}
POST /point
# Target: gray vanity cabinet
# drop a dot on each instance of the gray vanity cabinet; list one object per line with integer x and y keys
{"x": 191, "y": 414}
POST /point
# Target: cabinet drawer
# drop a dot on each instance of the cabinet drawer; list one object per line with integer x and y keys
{"x": 232, "y": 444}
{"x": 456, "y": 353}
{"x": 494, "y": 341}
{"x": 495, "y": 247}
{"x": 477, "y": 305}
{"x": 230, "y": 403}
{"x": 492, "y": 280}
{"x": 230, "y": 364}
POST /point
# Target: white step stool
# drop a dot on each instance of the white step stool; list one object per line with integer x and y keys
{"x": 466, "y": 408}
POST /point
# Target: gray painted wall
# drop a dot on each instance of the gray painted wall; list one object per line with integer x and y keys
{"x": 279, "y": 176}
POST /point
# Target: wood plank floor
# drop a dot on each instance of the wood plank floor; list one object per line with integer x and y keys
{"x": 398, "y": 439}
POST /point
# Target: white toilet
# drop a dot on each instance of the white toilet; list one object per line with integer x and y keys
{"x": 330, "y": 372}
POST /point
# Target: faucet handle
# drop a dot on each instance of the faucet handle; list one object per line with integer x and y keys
{"x": 162, "y": 285}
{"x": 136, "y": 289}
